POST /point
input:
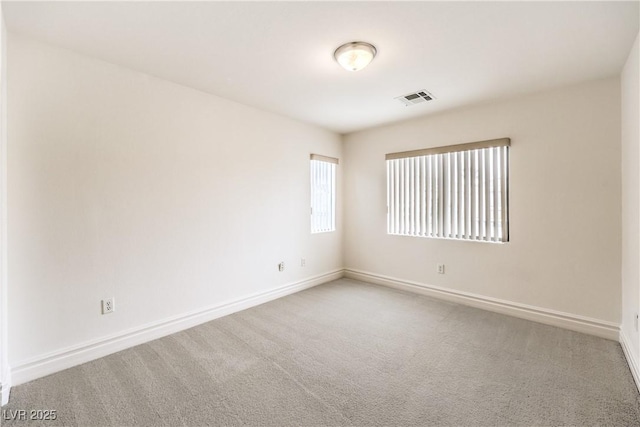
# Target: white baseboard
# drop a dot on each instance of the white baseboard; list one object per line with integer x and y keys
{"x": 634, "y": 364}
{"x": 88, "y": 351}
{"x": 573, "y": 322}
{"x": 5, "y": 390}
{"x": 5, "y": 385}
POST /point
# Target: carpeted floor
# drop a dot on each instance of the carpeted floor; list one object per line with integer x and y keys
{"x": 348, "y": 353}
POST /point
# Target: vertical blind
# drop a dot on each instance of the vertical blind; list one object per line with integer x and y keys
{"x": 323, "y": 193}
{"x": 456, "y": 192}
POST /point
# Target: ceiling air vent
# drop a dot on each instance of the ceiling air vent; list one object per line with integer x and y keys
{"x": 415, "y": 98}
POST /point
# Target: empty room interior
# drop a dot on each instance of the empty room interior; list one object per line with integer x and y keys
{"x": 319, "y": 213}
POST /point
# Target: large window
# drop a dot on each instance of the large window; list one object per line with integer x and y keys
{"x": 323, "y": 193}
{"x": 455, "y": 192}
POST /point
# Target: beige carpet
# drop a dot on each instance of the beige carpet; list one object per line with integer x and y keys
{"x": 348, "y": 353}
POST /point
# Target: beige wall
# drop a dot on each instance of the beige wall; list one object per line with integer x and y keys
{"x": 5, "y": 369}
{"x": 168, "y": 199}
{"x": 564, "y": 252}
{"x": 630, "y": 90}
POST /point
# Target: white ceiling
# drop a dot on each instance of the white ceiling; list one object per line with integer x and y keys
{"x": 278, "y": 56}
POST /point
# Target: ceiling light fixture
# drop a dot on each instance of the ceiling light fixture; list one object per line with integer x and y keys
{"x": 355, "y": 56}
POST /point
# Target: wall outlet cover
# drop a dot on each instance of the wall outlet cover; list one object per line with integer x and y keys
{"x": 108, "y": 306}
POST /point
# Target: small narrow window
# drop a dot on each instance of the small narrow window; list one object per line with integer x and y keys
{"x": 323, "y": 193}
{"x": 457, "y": 192}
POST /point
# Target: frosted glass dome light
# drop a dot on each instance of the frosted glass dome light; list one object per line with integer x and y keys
{"x": 355, "y": 56}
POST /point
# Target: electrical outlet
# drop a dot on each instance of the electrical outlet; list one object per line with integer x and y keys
{"x": 303, "y": 262}
{"x": 440, "y": 268}
{"x": 281, "y": 266}
{"x": 108, "y": 306}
